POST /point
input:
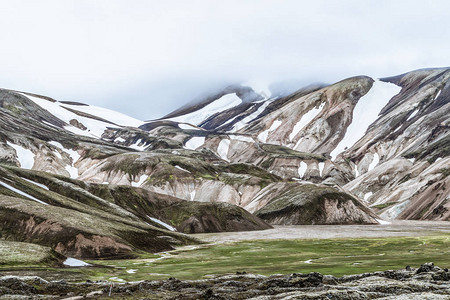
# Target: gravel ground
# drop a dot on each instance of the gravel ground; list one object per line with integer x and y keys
{"x": 396, "y": 228}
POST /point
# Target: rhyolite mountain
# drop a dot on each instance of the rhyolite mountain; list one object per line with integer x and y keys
{"x": 91, "y": 182}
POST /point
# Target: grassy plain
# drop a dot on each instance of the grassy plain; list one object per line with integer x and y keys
{"x": 328, "y": 256}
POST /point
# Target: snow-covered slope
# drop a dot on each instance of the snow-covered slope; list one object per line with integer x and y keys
{"x": 92, "y": 123}
{"x": 198, "y": 117}
{"x": 366, "y": 112}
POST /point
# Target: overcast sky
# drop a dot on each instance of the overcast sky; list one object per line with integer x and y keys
{"x": 146, "y": 58}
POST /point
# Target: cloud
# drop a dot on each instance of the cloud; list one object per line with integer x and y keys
{"x": 146, "y": 58}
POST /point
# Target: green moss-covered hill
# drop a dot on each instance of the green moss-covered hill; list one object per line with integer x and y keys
{"x": 315, "y": 204}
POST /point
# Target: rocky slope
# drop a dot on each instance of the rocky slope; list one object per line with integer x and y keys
{"x": 84, "y": 220}
{"x": 426, "y": 282}
{"x": 385, "y": 141}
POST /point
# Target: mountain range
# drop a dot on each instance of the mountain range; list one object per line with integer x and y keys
{"x": 89, "y": 182}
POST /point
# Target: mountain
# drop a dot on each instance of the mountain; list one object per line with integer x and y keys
{"x": 356, "y": 151}
{"x": 384, "y": 141}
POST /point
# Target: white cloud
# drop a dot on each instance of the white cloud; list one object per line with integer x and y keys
{"x": 166, "y": 52}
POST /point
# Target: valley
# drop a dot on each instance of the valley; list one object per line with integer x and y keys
{"x": 339, "y": 252}
{"x": 342, "y": 179}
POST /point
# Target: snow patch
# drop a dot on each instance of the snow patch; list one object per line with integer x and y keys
{"x": 412, "y": 159}
{"x": 195, "y": 142}
{"x": 263, "y": 135}
{"x": 73, "y": 172}
{"x": 223, "y": 148}
{"x": 302, "y": 169}
{"x": 141, "y": 180}
{"x": 78, "y": 131}
{"x": 309, "y": 261}
{"x": 321, "y": 166}
{"x": 116, "y": 279}
{"x": 162, "y": 223}
{"x": 57, "y": 154}
{"x": 21, "y": 193}
{"x": 50, "y": 124}
{"x": 412, "y": 115}
{"x": 107, "y": 114}
{"x": 197, "y": 117}
{"x": 367, "y": 196}
{"x": 305, "y": 119}
{"x": 72, "y": 153}
{"x": 131, "y": 271}
{"x": 437, "y": 95}
{"x": 242, "y": 123}
{"x": 192, "y": 195}
{"x": 383, "y": 222}
{"x": 73, "y": 262}
{"x": 71, "y": 169}
{"x": 375, "y": 161}
{"x": 24, "y": 156}
{"x": 188, "y": 126}
{"x": 95, "y": 128}
{"x": 36, "y": 183}
{"x": 242, "y": 138}
{"x": 356, "y": 170}
{"x": 119, "y": 140}
{"x": 180, "y": 168}
{"x": 394, "y": 211}
{"x": 137, "y": 145}
{"x": 366, "y": 112}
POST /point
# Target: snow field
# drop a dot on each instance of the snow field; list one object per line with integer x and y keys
{"x": 141, "y": 180}
{"x": 107, "y": 114}
{"x": 73, "y": 171}
{"x": 197, "y": 117}
{"x": 263, "y": 135}
{"x": 195, "y": 142}
{"x": 24, "y": 156}
{"x": 302, "y": 169}
{"x": 242, "y": 123}
{"x": 305, "y": 120}
{"x": 223, "y": 148}
{"x": 363, "y": 114}
{"x": 375, "y": 162}
{"x": 95, "y": 128}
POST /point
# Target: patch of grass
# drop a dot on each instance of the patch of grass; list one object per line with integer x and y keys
{"x": 384, "y": 205}
{"x": 445, "y": 171}
{"x": 16, "y": 254}
{"x": 332, "y": 256}
{"x": 281, "y": 151}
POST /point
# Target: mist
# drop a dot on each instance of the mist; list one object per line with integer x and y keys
{"x": 147, "y": 58}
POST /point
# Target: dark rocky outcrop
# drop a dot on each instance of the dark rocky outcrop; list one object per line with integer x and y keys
{"x": 392, "y": 284}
